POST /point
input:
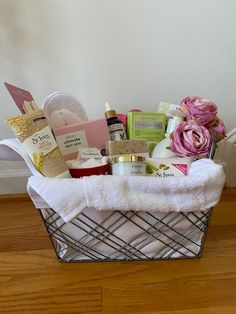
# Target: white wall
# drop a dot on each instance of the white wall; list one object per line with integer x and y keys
{"x": 134, "y": 53}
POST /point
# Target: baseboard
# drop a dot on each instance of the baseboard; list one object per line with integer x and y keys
{"x": 13, "y": 177}
{"x": 14, "y": 173}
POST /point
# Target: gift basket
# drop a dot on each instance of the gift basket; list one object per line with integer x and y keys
{"x": 140, "y": 186}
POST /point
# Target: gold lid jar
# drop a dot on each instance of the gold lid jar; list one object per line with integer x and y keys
{"x": 129, "y": 165}
{"x": 127, "y": 158}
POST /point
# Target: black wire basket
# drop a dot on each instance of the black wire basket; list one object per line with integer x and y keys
{"x": 128, "y": 235}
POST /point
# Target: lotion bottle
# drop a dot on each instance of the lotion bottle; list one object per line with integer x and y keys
{"x": 162, "y": 149}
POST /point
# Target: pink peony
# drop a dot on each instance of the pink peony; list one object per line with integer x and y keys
{"x": 217, "y": 130}
{"x": 190, "y": 139}
{"x": 198, "y": 109}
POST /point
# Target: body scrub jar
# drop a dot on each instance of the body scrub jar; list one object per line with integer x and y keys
{"x": 129, "y": 165}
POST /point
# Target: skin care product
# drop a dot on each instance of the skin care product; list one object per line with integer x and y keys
{"x": 33, "y": 131}
{"x": 129, "y": 165}
{"x": 147, "y": 126}
{"x": 162, "y": 149}
{"x": 168, "y": 167}
{"x": 115, "y": 126}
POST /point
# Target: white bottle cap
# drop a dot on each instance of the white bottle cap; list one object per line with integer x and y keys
{"x": 108, "y": 106}
{"x": 172, "y": 124}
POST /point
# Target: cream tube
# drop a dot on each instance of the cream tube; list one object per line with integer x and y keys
{"x": 33, "y": 131}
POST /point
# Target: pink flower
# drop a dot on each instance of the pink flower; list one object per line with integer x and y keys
{"x": 217, "y": 130}
{"x": 190, "y": 139}
{"x": 199, "y": 109}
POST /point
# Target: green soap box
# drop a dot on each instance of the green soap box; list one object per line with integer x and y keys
{"x": 148, "y": 126}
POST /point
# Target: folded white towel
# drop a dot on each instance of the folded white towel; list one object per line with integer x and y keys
{"x": 12, "y": 149}
{"x": 200, "y": 190}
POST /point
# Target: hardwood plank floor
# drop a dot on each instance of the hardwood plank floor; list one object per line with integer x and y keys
{"x": 33, "y": 281}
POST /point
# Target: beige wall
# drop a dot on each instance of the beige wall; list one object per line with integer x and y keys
{"x": 131, "y": 52}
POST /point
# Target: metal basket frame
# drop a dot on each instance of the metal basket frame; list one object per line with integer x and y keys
{"x": 170, "y": 241}
{"x": 151, "y": 228}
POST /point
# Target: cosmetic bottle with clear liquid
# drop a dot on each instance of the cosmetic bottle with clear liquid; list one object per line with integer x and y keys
{"x": 162, "y": 149}
{"x": 115, "y": 126}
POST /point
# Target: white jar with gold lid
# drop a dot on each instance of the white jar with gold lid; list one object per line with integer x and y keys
{"x": 128, "y": 165}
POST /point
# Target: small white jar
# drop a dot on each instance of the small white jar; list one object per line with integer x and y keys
{"x": 128, "y": 165}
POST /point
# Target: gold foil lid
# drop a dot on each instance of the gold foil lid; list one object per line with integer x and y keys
{"x": 110, "y": 114}
{"x": 127, "y": 158}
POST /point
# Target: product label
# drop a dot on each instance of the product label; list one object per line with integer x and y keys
{"x": 40, "y": 143}
{"x": 148, "y": 125}
{"x": 117, "y": 132}
{"x": 137, "y": 169}
{"x": 161, "y": 167}
{"x": 70, "y": 142}
{"x": 89, "y": 152}
{"x": 144, "y": 126}
{"x": 129, "y": 169}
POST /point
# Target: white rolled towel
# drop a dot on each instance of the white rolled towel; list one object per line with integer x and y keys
{"x": 200, "y": 190}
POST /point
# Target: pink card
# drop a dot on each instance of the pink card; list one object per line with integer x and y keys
{"x": 19, "y": 95}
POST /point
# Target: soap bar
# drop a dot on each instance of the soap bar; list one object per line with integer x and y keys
{"x": 146, "y": 126}
{"x": 126, "y": 147}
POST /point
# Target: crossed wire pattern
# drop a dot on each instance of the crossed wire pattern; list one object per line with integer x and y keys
{"x": 126, "y": 236}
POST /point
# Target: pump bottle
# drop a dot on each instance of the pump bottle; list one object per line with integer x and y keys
{"x": 162, "y": 149}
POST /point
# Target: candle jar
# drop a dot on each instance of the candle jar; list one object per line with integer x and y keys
{"x": 129, "y": 165}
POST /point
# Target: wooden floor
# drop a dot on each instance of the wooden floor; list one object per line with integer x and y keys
{"x": 33, "y": 281}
